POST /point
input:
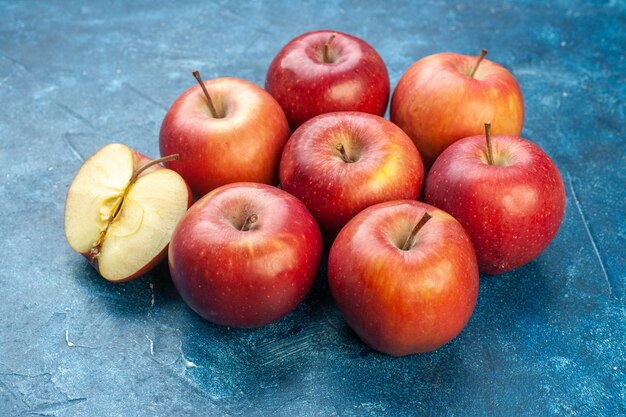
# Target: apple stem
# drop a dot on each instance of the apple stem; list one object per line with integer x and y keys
{"x": 94, "y": 252}
{"x": 327, "y": 48}
{"x": 343, "y": 153}
{"x": 196, "y": 74}
{"x": 409, "y": 241}
{"x": 489, "y": 148}
{"x": 141, "y": 169}
{"x": 483, "y": 52}
{"x": 249, "y": 222}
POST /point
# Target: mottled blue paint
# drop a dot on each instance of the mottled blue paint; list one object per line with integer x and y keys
{"x": 547, "y": 339}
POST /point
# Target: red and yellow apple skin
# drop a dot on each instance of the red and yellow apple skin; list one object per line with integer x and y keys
{"x": 244, "y": 144}
{"x": 245, "y": 278}
{"x": 386, "y": 166}
{"x": 437, "y": 102}
{"x": 402, "y": 302}
{"x": 306, "y": 86}
{"x": 511, "y": 210}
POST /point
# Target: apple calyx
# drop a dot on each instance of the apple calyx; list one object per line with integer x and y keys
{"x": 489, "y": 148}
{"x": 483, "y": 52}
{"x": 408, "y": 244}
{"x": 116, "y": 209}
{"x": 249, "y": 222}
{"x": 326, "y": 58}
{"x": 212, "y": 109}
{"x": 344, "y": 154}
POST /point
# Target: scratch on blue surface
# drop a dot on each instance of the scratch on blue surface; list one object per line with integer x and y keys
{"x": 277, "y": 350}
{"x": 73, "y": 148}
{"x": 593, "y": 242}
{"x": 75, "y": 115}
{"x": 58, "y": 406}
{"x": 67, "y": 333}
{"x": 19, "y": 64}
{"x": 145, "y": 96}
{"x": 152, "y": 300}
{"x": 151, "y": 342}
{"x": 67, "y": 330}
{"x": 186, "y": 362}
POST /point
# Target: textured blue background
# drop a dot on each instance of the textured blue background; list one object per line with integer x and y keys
{"x": 547, "y": 339}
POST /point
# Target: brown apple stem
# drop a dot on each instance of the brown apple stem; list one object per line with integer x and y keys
{"x": 478, "y": 61}
{"x": 141, "y": 169}
{"x": 196, "y": 74}
{"x": 249, "y": 222}
{"x": 343, "y": 153}
{"x": 409, "y": 241}
{"x": 327, "y": 48}
{"x": 489, "y": 148}
{"x": 94, "y": 252}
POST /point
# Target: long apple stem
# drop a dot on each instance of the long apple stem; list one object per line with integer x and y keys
{"x": 327, "y": 48}
{"x": 196, "y": 74}
{"x": 141, "y": 169}
{"x": 94, "y": 252}
{"x": 249, "y": 222}
{"x": 483, "y": 52}
{"x": 344, "y": 154}
{"x": 409, "y": 241}
{"x": 489, "y": 148}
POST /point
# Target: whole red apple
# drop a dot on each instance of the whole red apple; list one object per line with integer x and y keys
{"x": 327, "y": 71}
{"x": 235, "y": 131}
{"x": 404, "y": 275}
{"x": 245, "y": 254}
{"x": 340, "y": 163}
{"x": 446, "y": 97}
{"x": 511, "y": 204}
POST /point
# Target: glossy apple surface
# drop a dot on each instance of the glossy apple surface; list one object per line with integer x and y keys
{"x": 239, "y": 273}
{"x": 382, "y": 164}
{"x": 401, "y": 295}
{"x": 511, "y": 209}
{"x": 121, "y": 210}
{"x": 437, "y": 102}
{"x": 352, "y": 77}
{"x": 243, "y": 143}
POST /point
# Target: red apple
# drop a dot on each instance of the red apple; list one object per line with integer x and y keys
{"x": 121, "y": 210}
{"x": 234, "y": 132}
{"x": 446, "y": 97}
{"x": 245, "y": 255}
{"x": 340, "y": 163}
{"x": 511, "y": 206}
{"x": 326, "y": 71}
{"x": 404, "y": 275}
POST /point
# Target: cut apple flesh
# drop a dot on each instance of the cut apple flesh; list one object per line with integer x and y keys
{"x": 122, "y": 224}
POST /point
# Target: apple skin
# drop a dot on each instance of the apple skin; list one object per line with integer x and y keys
{"x": 403, "y": 302}
{"x": 511, "y": 211}
{"x": 306, "y": 86}
{"x": 437, "y": 102}
{"x": 388, "y": 166}
{"x": 245, "y": 278}
{"x": 244, "y": 145}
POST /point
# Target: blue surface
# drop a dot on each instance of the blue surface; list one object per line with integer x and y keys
{"x": 547, "y": 339}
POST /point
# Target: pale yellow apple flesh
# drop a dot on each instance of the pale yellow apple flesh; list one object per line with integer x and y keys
{"x": 122, "y": 223}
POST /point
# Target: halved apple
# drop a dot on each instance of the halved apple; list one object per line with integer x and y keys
{"x": 121, "y": 210}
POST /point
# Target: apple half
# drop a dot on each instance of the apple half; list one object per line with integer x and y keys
{"x": 121, "y": 210}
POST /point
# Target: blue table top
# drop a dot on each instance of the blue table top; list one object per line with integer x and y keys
{"x": 546, "y": 339}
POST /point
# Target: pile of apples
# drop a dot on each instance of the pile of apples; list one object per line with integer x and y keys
{"x": 403, "y": 272}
